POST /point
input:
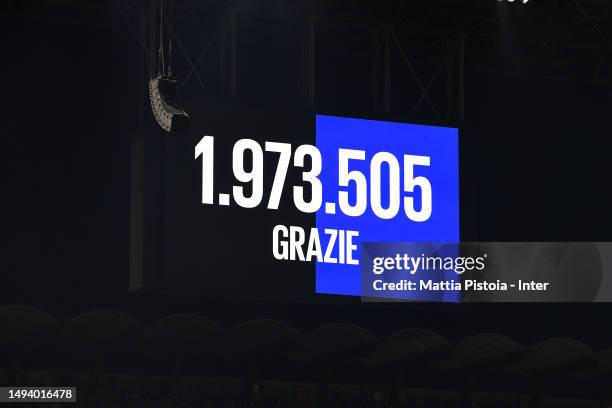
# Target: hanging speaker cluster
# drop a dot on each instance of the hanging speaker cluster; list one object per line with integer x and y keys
{"x": 163, "y": 94}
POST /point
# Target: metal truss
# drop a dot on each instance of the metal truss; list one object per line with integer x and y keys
{"x": 409, "y": 57}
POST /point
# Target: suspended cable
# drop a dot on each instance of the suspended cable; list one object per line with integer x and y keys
{"x": 170, "y": 38}
{"x": 150, "y": 57}
{"x": 161, "y": 39}
{"x": 163, "y": 90}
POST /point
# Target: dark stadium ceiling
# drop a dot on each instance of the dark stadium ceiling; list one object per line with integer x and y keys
{"x": 552, "y": 37}
{"x": 398, "y": 57}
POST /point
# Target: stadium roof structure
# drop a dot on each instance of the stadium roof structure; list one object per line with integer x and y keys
{"x": 405, "y": 57}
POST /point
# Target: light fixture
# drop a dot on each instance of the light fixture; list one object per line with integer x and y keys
{"x": 163, "y": 94}
{"x": 163, "y": 91}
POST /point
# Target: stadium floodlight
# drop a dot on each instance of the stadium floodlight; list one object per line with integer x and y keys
{"x": 163, "y": 94}
{"x": 163, "y": 90}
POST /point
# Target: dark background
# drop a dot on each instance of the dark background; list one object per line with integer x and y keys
{"x": 535, "y": 143}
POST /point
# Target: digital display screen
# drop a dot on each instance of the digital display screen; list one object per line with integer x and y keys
{"x": 259, "y": 205}
{"x": 408, "y": 175}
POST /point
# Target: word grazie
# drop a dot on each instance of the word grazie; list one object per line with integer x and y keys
{"x": 332, "y": 246}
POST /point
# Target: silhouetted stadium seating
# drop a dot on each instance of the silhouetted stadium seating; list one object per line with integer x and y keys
{"x": 186, "y": 360}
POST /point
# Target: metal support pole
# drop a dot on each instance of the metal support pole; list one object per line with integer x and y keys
{"x": 233, "y": 60}
{"x": 137, "y": 142}
{"x": 387, "y": 99}
{"x": 450, "y": 94}
{"x": 461, "y": 67}
{"x": 310, "y": 90}
{"x": 377, "y": 44}
{"x": 223, "y": 60}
